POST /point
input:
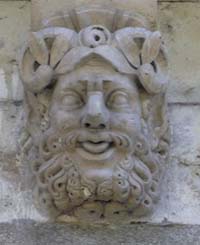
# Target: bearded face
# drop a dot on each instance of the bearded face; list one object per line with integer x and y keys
{"x": 94, "y": 159}
{"x": 96, "y": 119}
{"x": 99, "y": 117}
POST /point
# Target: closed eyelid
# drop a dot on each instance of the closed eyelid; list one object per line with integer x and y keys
{"x": 118, "y": 99}
{"x": 72, "y": 91}
{"x": 115, "y": 92}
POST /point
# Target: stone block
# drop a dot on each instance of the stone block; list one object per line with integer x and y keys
{"x": 10, "y": 86}
{"x": 10, "y": 122}
{"x": 179, "y": 24}
{"x": 14, "y": 26}
{"x": 180, "y": 1}
{"x": 180, "y": 198}
{"x": 15, "y": 204}
{"x": 182, "y": 183}
{"x": 185, "y": 146}
{"x": 43, "y": 9}
{"x": 4, "y": 93}
{"x": 15, "y": 182}
{"x": 23, "y": 232}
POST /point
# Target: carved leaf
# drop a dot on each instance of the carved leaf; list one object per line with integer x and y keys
{"x": 44, "y": 72}
{"x": 60, "y": 46}
{"x": 151, "y": 47}
{"x": 153, "y": 82}
{"x": 38, "y": 49}
{"x": 42, "y": 78}
{"x": 129, "y": 48}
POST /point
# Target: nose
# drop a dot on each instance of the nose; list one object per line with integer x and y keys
{"x": 96, "y": 114}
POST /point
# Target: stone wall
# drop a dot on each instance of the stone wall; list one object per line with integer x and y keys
{"x": 180, "y": 199}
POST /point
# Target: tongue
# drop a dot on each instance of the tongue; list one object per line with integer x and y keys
{"x": 95, "y": 148}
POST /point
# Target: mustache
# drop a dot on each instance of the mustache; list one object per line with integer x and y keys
{"x": 118, "y": 140}
{"x": 54, "y": 143}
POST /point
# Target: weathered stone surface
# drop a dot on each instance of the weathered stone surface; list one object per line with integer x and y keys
{"x": 15, "y": 203}
{"x": 185, "y": 146}
{"x": 180, "y": 199}
{"x": 10, "y": 115}
{"x": 100, "y": 136}
{"x": 23, "y": 232}
{"x": 15, "y": 195}
{"x": 11, "y": 88}
{"x": 179, "y": 23}
{"x": 4, "y": 92}
{"x": 183, "y": 181}
{"x": 43, "y": 9}
{"x": 180, "y": 196}
{"x": 14, "y": 25}
{"x": 179, "y": 1}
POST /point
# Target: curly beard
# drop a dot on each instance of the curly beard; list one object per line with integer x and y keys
{"x": 61, "y": 187}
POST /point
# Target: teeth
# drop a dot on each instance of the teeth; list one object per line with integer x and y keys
{"x": 95, "y": 148}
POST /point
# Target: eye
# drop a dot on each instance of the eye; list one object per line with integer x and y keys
{"x": 72, "y": 100}
{"x": 118, "y": 99}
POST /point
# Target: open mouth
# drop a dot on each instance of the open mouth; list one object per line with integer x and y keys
{"x": 96, "y": 147}
{"x": 95, "y": 150}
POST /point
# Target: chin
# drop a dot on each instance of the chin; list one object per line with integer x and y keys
{"x": 95, "y": 164}
{"x": 97, "y": 157}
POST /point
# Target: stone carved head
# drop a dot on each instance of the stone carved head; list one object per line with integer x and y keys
{"x": 97, "y": 117}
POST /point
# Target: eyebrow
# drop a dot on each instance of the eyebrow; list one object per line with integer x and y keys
{"x": 119, "y": 85}
{"x": 73, "y": 84}
{"x": 98, "y": 85}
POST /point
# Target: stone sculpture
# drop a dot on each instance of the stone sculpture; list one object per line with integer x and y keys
{"x": 96, "y": 114}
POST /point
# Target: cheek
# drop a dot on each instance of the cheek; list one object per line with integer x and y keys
{"x": 63, "y": 120}
{"x": 128, "y": 123}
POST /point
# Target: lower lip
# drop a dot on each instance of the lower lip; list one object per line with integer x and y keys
{"x": 95, "y": 148}
{"x": 95, "y": 151}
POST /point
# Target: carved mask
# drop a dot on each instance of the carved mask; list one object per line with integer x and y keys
{"x": 96, "y": 116}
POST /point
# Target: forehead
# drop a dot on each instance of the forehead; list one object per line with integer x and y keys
{"x": 96, "y": 77}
